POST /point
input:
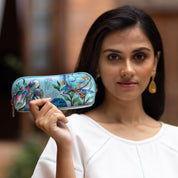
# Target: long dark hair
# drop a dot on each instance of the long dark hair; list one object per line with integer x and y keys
{"x": 119, "y": 19}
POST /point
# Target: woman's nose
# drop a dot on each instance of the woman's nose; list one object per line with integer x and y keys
{"x": 127, "y": 70}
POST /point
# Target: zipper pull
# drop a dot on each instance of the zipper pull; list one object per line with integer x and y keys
{"x": 13, "y": 110}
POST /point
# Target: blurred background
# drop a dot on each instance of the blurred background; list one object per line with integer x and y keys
{"x": 44, "y": 37}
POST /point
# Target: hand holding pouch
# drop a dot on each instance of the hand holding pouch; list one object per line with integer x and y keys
{"x": 67, "y": 91}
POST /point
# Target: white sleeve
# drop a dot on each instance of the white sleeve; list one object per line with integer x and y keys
{"x": 46, "y": 166}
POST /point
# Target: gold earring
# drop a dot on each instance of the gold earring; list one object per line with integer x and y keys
{"x": 152, "y": 86}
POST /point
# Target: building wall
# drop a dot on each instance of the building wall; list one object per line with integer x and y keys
{"x": 168, "y": 27}
{"x": 150, "y": 4}
{"x": 80, "y": 15}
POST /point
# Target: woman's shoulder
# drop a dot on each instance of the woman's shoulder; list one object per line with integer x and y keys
{"x": 79, "y": 121}
{"x": 83, "y": 124}
{"x": 77, "y": 118}
{"x": 171, "y": 129}
{"x": 86, "y": 129}
{"x": 170, "y": 136}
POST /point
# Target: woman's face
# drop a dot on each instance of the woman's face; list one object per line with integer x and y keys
{"x": 126, "y": 63}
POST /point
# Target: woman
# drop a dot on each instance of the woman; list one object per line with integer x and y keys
{"x": 120, "y": 136}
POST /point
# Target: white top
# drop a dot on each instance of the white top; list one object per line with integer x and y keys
{"x": 99, "y": 154}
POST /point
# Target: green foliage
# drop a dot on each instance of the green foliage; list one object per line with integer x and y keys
{"x": 72, "y": 94}
{"x": 24, "y": 83}
{"x": 25, "y": 161}
{"x": 91, "y": 85}
{"x": 13, "y": 62}
{"x": 56, "y": 86}
{"x": 66, "y": 97}
{"x": 76, "y": 99}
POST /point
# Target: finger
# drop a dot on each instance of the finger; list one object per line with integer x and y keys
{"x": 56, "y": 113}
{"x": 42, "y": 116}
{"x": 48, "y": 106}
{"x": 61, "y": 117}
{"x": 51, "y": 119}
{"x": 35, "y": 104}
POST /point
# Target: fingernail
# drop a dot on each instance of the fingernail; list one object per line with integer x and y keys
{"x": 48, "y": 99}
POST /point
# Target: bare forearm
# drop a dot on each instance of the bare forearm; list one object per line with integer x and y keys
{"x": 65, "y": 167}
{"x": 52, "y": 121}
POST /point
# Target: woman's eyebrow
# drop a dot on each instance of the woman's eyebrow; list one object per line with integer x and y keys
{"x": 134, "y": 51}
{"x": 141, "y": 49}
{"x": 112, "y": 50}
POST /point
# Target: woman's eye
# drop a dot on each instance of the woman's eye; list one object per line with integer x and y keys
{"x": 113, "y": 57}
{"x": 139, "y": 57}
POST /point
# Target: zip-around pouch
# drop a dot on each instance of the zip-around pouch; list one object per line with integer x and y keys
{"x": 67, "y": 91}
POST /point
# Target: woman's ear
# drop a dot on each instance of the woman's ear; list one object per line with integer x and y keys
{"x": 97, "y": 73}
{"x": 156, "y": 61}
{"x": 158, "y": 55}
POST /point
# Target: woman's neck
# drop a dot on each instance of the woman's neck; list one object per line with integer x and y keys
{"x": 126, "y": 112}
{"x": 125, "y": 119}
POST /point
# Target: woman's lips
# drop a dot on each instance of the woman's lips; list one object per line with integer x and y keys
{"x": 127, "y": 84}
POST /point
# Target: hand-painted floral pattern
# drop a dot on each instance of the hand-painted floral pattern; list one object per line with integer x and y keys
{"x": 75, "y": 88}
{"x": 66, "y": 91}
{"x": 26, "y": 93}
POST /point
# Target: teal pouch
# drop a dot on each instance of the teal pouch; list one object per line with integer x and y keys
{"x": 67, "y": 91}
